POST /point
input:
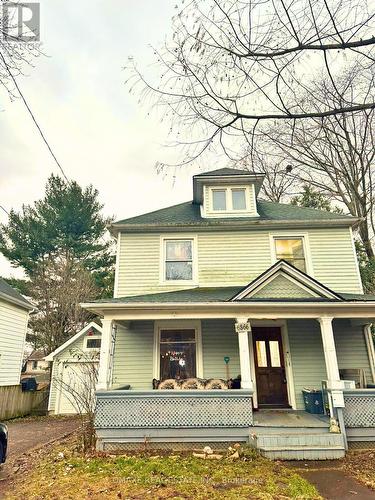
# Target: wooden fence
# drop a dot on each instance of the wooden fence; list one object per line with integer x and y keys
{"x": 15, "y": 403}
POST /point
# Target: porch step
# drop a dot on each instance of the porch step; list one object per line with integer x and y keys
{"x": 302, "y": 446}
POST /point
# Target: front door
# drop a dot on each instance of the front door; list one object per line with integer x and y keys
{"x": 269, "y": 368}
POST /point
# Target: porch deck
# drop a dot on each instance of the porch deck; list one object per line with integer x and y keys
{"x": 289, "y": 419}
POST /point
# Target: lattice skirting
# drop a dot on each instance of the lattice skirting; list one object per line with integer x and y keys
{"x": 157, "y": 410}
{"x": 164, "y": 446}
{"x": 359, "y": 411}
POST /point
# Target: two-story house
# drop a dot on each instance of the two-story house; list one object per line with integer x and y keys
{"x": 225, "y": 308}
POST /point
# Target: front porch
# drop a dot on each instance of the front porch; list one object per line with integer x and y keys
{"x": 308, "y": 351}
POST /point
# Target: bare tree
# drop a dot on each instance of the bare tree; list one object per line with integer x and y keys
{"x": 59, "y": 285}
{"x": 78, "y": 382}
{"x": 277, "y": 185}
{"x": 231, "y": 66}
{"x": 335, "y": 155}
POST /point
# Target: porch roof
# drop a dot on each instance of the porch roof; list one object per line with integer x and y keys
{"x": 220, "y": 294}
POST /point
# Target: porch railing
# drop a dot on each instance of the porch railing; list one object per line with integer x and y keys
{"x": 359, "y": 408}
{"x": 173, "y": 409}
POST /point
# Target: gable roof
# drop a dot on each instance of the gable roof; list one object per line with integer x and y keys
{"x": 70, "y": 341}
{"x": 11, "y": 295}
{"x": 188, "y": 215}
{"x": 36, "y": 355}
{"x": 297, "y": 277}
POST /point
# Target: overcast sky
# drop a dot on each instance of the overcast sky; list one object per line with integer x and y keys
{"x": 98, "y": 131}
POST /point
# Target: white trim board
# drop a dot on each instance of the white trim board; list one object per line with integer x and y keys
{"x": 172, "y": 325}
{"x": 75, "y": 337}
{"x": 180, "y": 283}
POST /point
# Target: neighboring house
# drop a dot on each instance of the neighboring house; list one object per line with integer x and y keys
{"x": 36, "y": 366}
{"x": 14, "y": 316}
{"x": 229, "y": 284}
{"x": 70, "y": 374}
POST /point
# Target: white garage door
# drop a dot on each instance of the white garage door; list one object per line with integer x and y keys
{"x": 77, "y": 387}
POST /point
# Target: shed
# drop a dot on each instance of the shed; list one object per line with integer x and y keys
{"x": 74, "y": 365}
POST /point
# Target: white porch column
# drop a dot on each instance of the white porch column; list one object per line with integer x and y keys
{"x": 243, "y": 328}
{"x": 333, "y": 376}
{"x": 370, "y": 348}
{"x": 105, "y": 355}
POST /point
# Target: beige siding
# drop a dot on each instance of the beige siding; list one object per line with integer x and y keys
{"x": 351, "y": 347}
{"x": 308, "y": 357}
{"x": 236, "y": 258}
{"x": 219, "y": 340}
{"x": 333, "y": 259}
{"x": 281, "y": 287}
{"x": 133, "y": 356}
{"x": 13, "y": 324}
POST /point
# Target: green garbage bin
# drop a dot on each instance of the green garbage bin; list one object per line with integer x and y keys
{"x": 313, "y": 400}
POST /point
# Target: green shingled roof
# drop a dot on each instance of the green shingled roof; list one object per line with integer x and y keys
{"x": 11, "y": 293}
{"x": 225, "y": 171}
{"x": 217, "y": 294}
{"x": 189, "y": 213}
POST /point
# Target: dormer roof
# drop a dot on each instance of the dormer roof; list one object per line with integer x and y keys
{"x": 224, "y": 176}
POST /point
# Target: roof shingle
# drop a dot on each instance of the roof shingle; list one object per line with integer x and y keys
{"x": 189, "y": 213}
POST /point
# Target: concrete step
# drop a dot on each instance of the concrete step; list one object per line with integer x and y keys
{"x": 304, "y": 453}
{"x": 299, "y": 446}
{"x": 305, "y": 439}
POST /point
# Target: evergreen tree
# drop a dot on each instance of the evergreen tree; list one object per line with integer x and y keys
{"x": 60, "y": 243}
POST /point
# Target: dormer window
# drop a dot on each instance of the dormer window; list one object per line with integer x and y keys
{"x": 239, "y": 199}
{"x": 230, "y": 199}
{"x": 219, "y": 199}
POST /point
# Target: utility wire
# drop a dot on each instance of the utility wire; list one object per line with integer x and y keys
{"x": 33, "y": 117}
{"x": 6, "y": 211}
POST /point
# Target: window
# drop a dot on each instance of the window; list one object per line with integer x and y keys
{"x": 178, "y": 260}
{"x": 230, "y": 199}
{"x": 177, "y": 354}
{"x": 35, "y": 365}
{"x": 239, "y": 199}
{"x": 291, "y": 250}
{"x": 219, "y": 199}
{"x": 93, "y": 342}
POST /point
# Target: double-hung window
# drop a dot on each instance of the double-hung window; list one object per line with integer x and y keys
{"x": 178, "y": 259}
{"x": 291, "y": 250}
{"x": 229, "y": 199}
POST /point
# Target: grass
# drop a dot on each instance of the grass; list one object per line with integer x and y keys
{"x": 64, "y": 473}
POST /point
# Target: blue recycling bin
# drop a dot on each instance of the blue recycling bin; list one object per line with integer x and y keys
{"x": 313, "y": 400}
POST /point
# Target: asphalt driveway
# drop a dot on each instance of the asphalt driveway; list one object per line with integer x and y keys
{"x": 30, "y": 434}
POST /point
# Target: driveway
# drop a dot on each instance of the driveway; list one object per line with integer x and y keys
{"x": 29, "y": 434}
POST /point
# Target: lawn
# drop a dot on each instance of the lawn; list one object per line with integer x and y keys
{"x": 65, "y": 473}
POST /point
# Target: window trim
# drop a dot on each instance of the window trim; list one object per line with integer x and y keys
{"x": 194, "y": 256}
{"x": 229, "y": 200}
{"x": 290, "y": 236}
{"x": 91, "y": 349}
{"x": 178, "y": 325}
